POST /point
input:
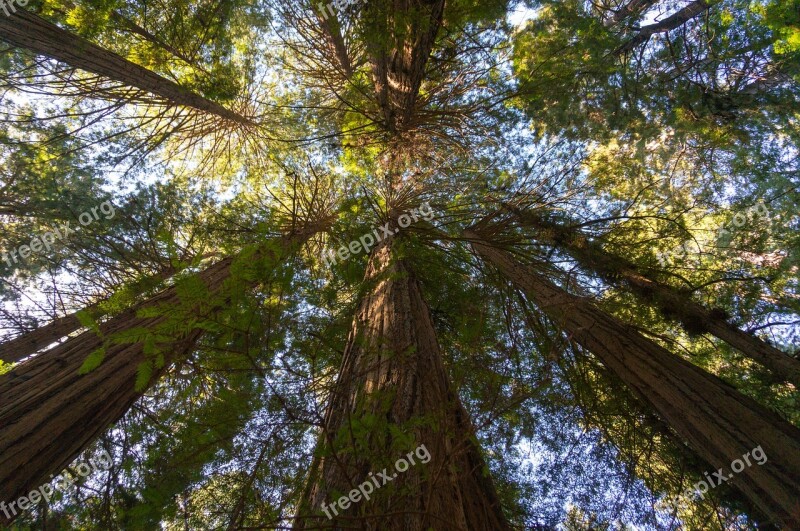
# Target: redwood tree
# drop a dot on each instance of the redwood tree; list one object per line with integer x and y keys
{"x": 31, "y": 342}
{"x": 57, "y": 403}
{"x": 665, "y": 119}
{"x": 392, "y": 395}
{"x": 716, "y": 421}
{"x": 27, "y": 30}
{"x": 671, "y": 301}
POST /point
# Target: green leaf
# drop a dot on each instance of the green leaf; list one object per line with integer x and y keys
{"x": 92, "y": 361}
{"x": 143, "y": 374}
{"x": 86, "y": 320}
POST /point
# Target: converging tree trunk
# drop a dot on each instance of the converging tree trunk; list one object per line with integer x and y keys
{"x": 393, "y": 395}
{"x": 671, "y": 302}
{"x": 402, "y": 44}
{"x": 674, "y": 21}
{"x": 26, "y": 30}
{"x": 35, "y": 340}
{"x": 332, "y": 30}
{"x": 631, "y": 9}
{"x": 718, "y": 423}
{"x": 50, "y": 411}
{"x": 23, "y": 346}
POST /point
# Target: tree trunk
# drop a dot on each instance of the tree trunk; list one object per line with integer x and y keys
{"x": 671, "y": 302}
{"x": 393, "y": 395}
{"x": 30, "y": 342}
{"x": 719, "y": 423}
{"x": 399, "y": 56}
{"x": 26, "y": 30}
{"x": 135, "y": 28}
{"x": 632, "y": 8}
{"x": 35, "y": 340}
{"x": 338, "y": 49}
{"x": 49, "y": 412}
{"x": 670, "y": 23}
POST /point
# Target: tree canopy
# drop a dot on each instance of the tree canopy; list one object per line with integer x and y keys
{"x": 554, "y": 241}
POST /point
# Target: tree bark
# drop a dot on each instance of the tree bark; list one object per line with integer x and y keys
{"x": 398, "y": 67}
{"x": 670, "y": 23}
{"x": 632, "y": 8}
{"x": 333, "y": 33}
{"x": 671, "y": 302}
{"x": 718, "y": 423}
{"x": 392, "y": 381}
{"x": 31, "y": 342}
{"x": 35, "y": 340}
{"x": 135, "y": 28}
{"x": 26, "y": 30}
{"x": 49, "y": 412}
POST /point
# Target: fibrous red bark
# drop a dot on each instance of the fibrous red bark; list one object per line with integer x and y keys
{"x": 719, "y": 423}
{"x": 49, "y": 412}
{"x": 672, "y": 303}
{"x": 392, "y": 395}
{"x": 26, "y": 30}
{"x": 405, "y": 33}
{"x": 31, "y": 342}
{"x": 23, "y": 346}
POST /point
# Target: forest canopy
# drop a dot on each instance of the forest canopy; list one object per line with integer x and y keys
{"x": 399, "y": 264}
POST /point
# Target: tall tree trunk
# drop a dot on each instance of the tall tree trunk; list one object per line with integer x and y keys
{"x": 49, "y": 412}
{"x": 719, "y": 423}
{"x": 35, "y": 340}
{"x": 392, "y": 395}
{"x": 630, "y": 9}
{"x": 23, "y": 346}
{"x": 26, "y": 30}
{"x": 670, "y": 23}
{"x": 335, "y": 40}
{"x": 405, "y": 35}
{"x": 135, "y": 28}
{"x": 671, "y": 302}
